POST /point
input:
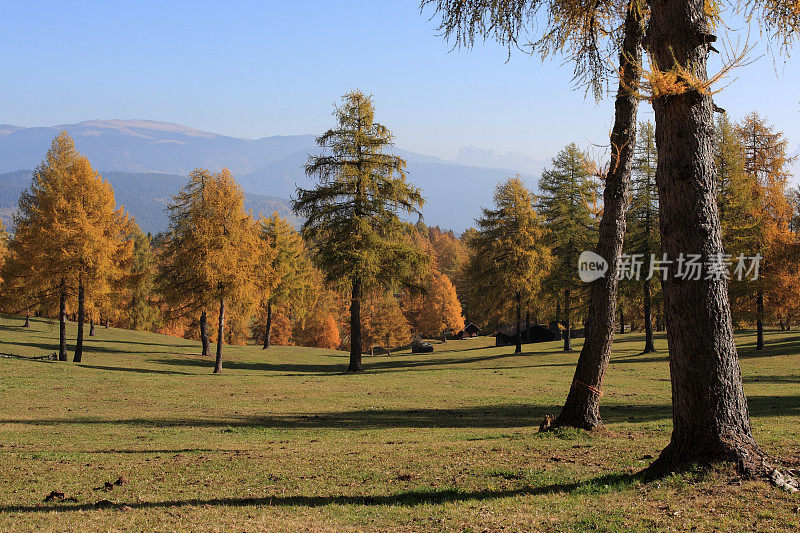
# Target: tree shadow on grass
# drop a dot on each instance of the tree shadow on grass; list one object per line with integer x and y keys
{"x": 135, "y": 370}
{"x": 490, "y": 416}
{"x": 387, "y": 365}
{"x": 90, "y": 346}
{"x": 598, "y": 485}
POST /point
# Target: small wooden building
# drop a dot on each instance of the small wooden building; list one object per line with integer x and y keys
{"x": 507, "y": 335}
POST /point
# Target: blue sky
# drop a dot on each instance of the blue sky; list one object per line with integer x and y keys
{"x": 253, "y": 69}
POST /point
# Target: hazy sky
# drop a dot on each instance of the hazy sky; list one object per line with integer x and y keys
{"x": 253, "y": 69}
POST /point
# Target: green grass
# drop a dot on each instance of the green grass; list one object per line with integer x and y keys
{"x": 283, "y": 440}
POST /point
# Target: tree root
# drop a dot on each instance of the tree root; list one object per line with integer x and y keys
{"x": 750, "y": 460}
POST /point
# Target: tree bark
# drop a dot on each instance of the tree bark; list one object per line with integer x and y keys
{"x": 355, "y": 327}
{"x": 27, "y": 320}
{"x": 268, "y": 327}
{"x": 81, "y": 317}
{"x": 91, "y": 326}
{"x": 582, "y": 407}
{"x": 220, "y": 336}
{"x": 567, "y": 331}
{"x": 760, "y": 319}
{"x": 62, "y": 321}
{"x": 518, "y": 337}
{"x": 204, "y": 332}
{"x": 621, "y": 320}
{"x": 710, "y": 417}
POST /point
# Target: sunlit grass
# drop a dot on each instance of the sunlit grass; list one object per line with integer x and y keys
{"x": 283, "y": 439}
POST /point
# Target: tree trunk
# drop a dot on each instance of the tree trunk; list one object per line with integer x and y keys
{"x": 518, "y": 337}
{"x": 567, "y": 331}
{"x": 81, "y": 317}
{"x": 27, "y": 320}
{"x": 355, "y": 327}
{"x": 582, "y": 407}
{"x": 558, "y": 309}
{"x": 527, "y": 325}
{"x": 204, "y": 332}
{"x": 220, "y": 336}
{"x": 621, "y": 320}
{"x": 106, "y": 326}
{"x": 62, "y": 321}
{"x": 388, "y": 351}
{"x": 710, "y": 417}
{"x": 91, "y": 326}
{"x": 268, "y": 327}
{"x": 648, "y": 321}
{"x": 760, "y": 319}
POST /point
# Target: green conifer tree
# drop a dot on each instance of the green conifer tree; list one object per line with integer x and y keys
{"x": 353, "y": 214}
{"x": 568, "y": 203}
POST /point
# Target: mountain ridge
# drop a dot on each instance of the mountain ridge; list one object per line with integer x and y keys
{"x": 269, "y": 166}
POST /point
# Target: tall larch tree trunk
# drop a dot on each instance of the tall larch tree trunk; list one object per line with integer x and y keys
{"x": 62, "y": 321}
{"x": 567, "y": 326}
{"x": 355, "y": 327}
{"x": 27, "y": 320}
{"x": 91, "y": 325}
{"x": 621, "y": 320}
{"x": 268, "y": 326}
{"x": 709, "y": 409}
{"x": 518, "y": 336}
{"x": 81, "y": 317}
{"x": 204, "y": 332}
{"x": 220, "y": 336}
{"x": 582, "y": 407}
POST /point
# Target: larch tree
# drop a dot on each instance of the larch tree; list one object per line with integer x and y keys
{"x": 440, "y": 310}
{"x": 142, "y": 314}
{"x": 709, "y": 409}
{"x": 211, "y": 250}
{"x": 284, "y": 268}
{"x": 710, "y": 415}
{"x": 352, "y": 216}
{"x": 70, "y": 239}
{"x": 508, "y": 254}
{"x": 794, "y": 198}
{"x": 587, "y": 35}
{"x": 766, "y": 167}
{"x": 3, "y": 248}
{"x": 568, "y": 195}
{"x": 383, "y": 322}
{"x": 643, "y": 239}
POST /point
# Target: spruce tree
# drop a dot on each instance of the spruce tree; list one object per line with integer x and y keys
{"x": 352, "y": 216}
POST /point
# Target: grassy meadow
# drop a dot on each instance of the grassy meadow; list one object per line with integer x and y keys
{"x": 284, "y": 440}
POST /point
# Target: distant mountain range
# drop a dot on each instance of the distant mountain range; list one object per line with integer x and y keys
{"x": 147, "y": 161}
{"x": 144, "y": 195}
